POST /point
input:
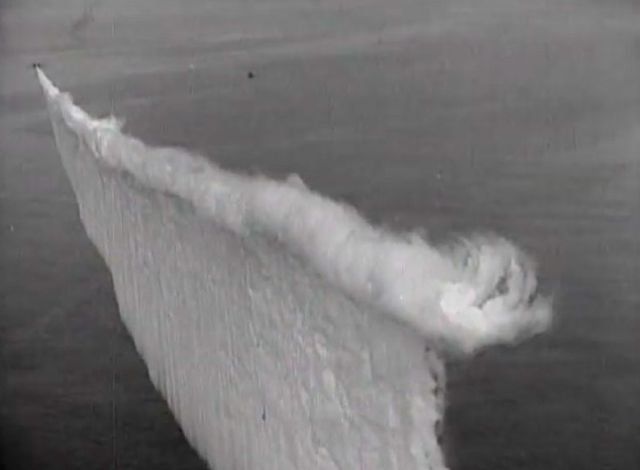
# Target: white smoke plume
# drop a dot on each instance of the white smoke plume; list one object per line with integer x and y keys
{"x": 481, "y": 292}
{"x": 475, "y": 292}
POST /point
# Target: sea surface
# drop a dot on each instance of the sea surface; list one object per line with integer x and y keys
{"x": 511, "y": 116}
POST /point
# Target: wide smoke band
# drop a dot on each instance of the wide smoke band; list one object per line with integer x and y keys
{"x": 284, "y": 330}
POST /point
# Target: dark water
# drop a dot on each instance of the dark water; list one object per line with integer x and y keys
{"x": 517, "y": 117}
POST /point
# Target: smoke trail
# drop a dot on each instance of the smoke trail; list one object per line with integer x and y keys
{"x": 252, "y": 264}
{"x": 481, "y": 292}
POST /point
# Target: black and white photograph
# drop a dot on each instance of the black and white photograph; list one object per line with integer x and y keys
{"x": 320, "y": 234}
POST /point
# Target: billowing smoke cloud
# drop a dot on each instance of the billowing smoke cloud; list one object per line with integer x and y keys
{"x": 480, "y": 292}
{"x": 475, "y": 292}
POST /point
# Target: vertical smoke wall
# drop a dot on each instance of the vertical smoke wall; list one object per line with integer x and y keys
{"x": 263, "y": 361}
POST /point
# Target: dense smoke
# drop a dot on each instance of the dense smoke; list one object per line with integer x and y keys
{"x": 170, "y": 282}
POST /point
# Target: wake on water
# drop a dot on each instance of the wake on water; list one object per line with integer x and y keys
{"x": 253, "y": 297}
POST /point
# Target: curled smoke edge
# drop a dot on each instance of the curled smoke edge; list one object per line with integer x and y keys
{"x": 478, "y": 291}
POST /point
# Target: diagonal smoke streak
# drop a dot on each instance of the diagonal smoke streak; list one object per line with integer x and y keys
{"x": 478, "y": 291}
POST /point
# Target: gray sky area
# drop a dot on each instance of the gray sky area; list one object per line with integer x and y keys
{"x": 519, "y": 117}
